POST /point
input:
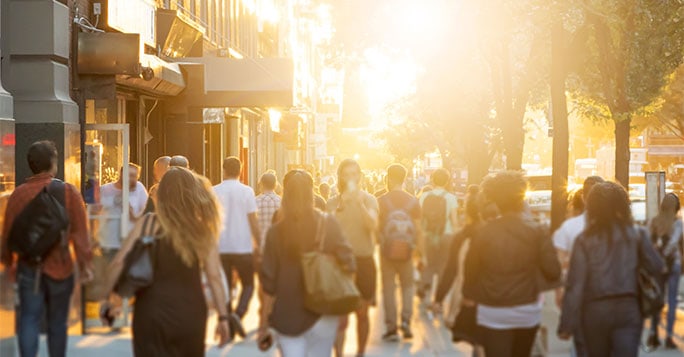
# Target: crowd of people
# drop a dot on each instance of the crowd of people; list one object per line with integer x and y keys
{"x": 494, "y": 260}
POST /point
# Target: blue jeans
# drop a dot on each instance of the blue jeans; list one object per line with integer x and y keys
{"x": 50, "y": 300}
{"x": 672, "y": 286}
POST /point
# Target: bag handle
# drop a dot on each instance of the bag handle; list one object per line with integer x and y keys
{"x": 320, "y": 230}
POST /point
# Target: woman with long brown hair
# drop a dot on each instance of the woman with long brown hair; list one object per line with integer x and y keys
{"x": 171, "y": 314}
{"x": 300, "y": 332}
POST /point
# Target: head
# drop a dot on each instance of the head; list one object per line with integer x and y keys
{"x": 440, "y": 178}
{"x": 232, "y": 167}
{"x": 298, "y": 196}
{"x": 133, "y": 175}
{"x": 268, "y": 182}
{"x": 396, "y": 175}
{"x": 324, "y": 189}
{"x": 42, "y": 157}
{"x": 188, "y": 213}
{"x": 348, "y": 175}
{"x": 669, "y": 209}
{"x": 589, "y": 183}
{"x": 161, "y": 165}
{"x": 179, "y": 161}
{"x": 607, "y": 206}
{"x": 507, "y": 190}
{"x": 577, "y": 202}
{"x": 472, "y": 208}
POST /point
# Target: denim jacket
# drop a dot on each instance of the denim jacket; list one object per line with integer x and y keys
{"x": 604, "y": 266}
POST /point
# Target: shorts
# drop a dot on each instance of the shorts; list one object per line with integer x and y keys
{"x": 366, "y": 278}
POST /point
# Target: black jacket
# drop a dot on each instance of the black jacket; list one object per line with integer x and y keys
{"x": 511, "y": 260}
{"x": 605, "y": 266}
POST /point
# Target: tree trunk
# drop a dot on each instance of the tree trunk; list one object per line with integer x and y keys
{"x": 559, "y": 112}
{"x": 622, "y": 154}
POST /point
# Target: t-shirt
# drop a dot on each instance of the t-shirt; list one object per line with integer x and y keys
{"x": 267, "y": 205}
{"x": 111, "y": 198}
{"x": 350, "y": 216}
{"x": 565, "y": 236}
{"x": 451, "y": 206}
{"x": 503, "y": 318}
{"x": 238, "y": 202}
{"x": 397, "y": 199}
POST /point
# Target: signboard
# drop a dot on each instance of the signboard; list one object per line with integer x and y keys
{"x": 655, "y": 191}
{"x": 213, "y": 115}
{"x": 133, "y": 16}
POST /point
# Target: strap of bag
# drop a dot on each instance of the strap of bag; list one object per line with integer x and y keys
{"x": 148, "y": 225}
{"x": 320, "y": 230}
{"x": 57, "y": 188}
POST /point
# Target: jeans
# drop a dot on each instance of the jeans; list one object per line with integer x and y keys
{"x": 316, "y": 342}
{"x": 389, "y": 270}
{"x": 244, "y": 265}
{"x": 52, "y": 300}
{"x": 508, "y": 342}
{"x": 672, "y": 287}
{"x": 437, "y": 256}
{"x": 612, "y": 327}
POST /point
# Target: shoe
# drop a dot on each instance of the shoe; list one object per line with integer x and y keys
{"x": 669, "y": 343}
{"x": 236, "y": 325}
{"x": 406, "y": 332}
{"x": 390, "y": 336}
{"x": 653, "y": 342}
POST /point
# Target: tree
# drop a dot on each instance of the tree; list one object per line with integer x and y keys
{"x": 634, "y": 45}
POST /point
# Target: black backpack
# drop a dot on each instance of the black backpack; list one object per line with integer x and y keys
{"x": 42, "y": 225}
{"x": 434, "y": 214}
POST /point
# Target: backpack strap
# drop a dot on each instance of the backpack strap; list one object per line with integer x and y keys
{"x": 57, "y": 188}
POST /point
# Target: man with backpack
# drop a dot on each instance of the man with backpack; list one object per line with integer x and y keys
{"x": 43, "y": 216}
{"x": 400, "y": 235}
{"x": 440, "y": 216}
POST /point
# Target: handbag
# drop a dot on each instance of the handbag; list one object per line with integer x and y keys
{"x": 138, "y": 270}
{"x": 328, "y": 289}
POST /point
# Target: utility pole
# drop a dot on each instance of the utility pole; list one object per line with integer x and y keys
{"x": 559, "y": 113}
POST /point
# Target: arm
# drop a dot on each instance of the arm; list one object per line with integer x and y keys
{"x": 212, "y": 269}
{"x": 78, "y": 229}
{"x": 6, "y": 256}
{"x": 675, "y": 237}
{"x": 550, "y": 265}
{"x": 648, "y": 256}
{"x": 574, "y": 289}
{"x": 369, "y": 211}
{"x": 418, "y": 224}
{"x": 254, "y": 227}
{"x": 451, "y": 269}
{"x": 337, "y": 244}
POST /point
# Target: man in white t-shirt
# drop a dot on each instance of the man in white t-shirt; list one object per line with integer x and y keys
{"x": 111, "y": 198}
{"x": 239, "y": 238}
{"x": 564, "y": 239}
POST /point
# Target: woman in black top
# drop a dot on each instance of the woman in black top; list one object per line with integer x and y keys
{"x": 300, "y": 332}
{"x": 601, "y": 298}
{"x": 170, "y": 315}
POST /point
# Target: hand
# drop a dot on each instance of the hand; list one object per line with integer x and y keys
{"x": 564, "y": 336}
{"x": 559, "y": 298}
{"x": 264, "y": 339}
{"x": 87, "y": 275}
{"x": 467, "y": 302}
{"x": 222, "y": 333}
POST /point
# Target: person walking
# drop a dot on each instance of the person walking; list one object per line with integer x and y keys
{"x": 239, "y": 239}
{"x": 161, "y": 165}
{"x": 357, "y": 212}
{"x": 440, "y": 216}
{"x": 601, "y": 292}
{"x": 300, "y": 332}
{"x": 564, "y": 239}
{"x": 44, "y": 290}
{"x": 268, "y": 203}
{"x": 170, "y": 315}
{"x": 666, "y": 231}
{"x": 400, "y": 242}
{"x": 511, "y": 261}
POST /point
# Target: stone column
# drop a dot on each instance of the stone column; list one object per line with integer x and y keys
{"x": 39, "y": 38}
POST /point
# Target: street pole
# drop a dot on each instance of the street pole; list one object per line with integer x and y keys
{"x": 559, "y": 113}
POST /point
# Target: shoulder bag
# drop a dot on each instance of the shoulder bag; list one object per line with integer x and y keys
{"x": 138, "y": 270}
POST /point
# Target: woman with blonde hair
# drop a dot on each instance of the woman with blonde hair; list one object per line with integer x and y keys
{"x": 171, "y": 314}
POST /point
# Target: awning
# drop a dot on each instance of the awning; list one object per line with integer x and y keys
{"x": 666, "y": 150}
{"x": 228, "y": 82}
{"x": 167, "y": 79}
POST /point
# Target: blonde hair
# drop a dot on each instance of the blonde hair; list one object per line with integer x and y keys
{"x": 189, "y": 214}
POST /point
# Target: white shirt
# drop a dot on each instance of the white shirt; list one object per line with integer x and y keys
{"x": 503, "y": 318}
{"x": 238, "y": 201}
{"x": 112, "y": 198}
{"x": 565, "y": 236}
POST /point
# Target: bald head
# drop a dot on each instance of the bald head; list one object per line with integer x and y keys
{"x": 161, "y": 165}
{"x": 179, "y": 161}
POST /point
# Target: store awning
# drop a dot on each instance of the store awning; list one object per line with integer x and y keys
{"x": 167, "y": 79}
{"x": 666, "y": 150}
{"x": 228, "y": 82}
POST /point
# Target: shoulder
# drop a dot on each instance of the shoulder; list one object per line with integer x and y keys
{"x": 248, "y": 190}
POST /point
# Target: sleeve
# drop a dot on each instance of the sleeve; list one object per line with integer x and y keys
{"x": 251, "y": 202}
{"x": 574, "y": 288}
{"x": 451, "y": 268}
{"x": 268, "y": 271}
{"x": 675, "y": 237}
{"x": 141, "y": 200}
{"x": 6, "y": 256}
{"x": 560, "y": 240}
{"x": 648, "y": 256}
{"x": 78, "y": 227}
{"x": 337, "y": 244}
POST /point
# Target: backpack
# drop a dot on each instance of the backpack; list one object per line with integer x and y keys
{"x": 434, "y": 216}
{"x": 398, "y": 234}
{"x": 41, "y": 225}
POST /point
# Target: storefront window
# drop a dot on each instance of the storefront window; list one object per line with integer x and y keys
{"x": 7, "y": 182}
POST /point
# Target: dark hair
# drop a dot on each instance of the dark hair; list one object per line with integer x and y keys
{"x": 232, "y": 166}
{"x": 589, "y": 183}
{"x": 132, "y": 166}
{"x": 343, "y": 166}
{"x": 669, "y": 208}
{"x": 179, "y": 161}
{"x": 506, "y": 189}
{"x": 41, "y": 156}
{"x": 607, "y": 206}
{"x": 472, "y": 204}
{"x": 297, "y": 207}
{"x": 268, "y": 181}
{"x": 578, "y": 200}
{"x": 396, "y": 174}
{"x": 440, "y": 177}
